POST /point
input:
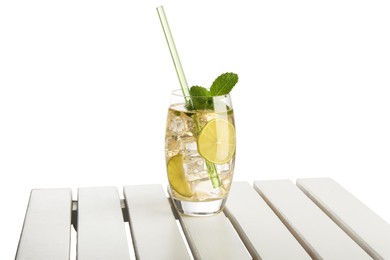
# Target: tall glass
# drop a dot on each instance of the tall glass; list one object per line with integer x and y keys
{"x": 200, "y": 149}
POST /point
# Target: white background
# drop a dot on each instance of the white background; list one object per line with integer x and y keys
{"x": 84, "y": 89}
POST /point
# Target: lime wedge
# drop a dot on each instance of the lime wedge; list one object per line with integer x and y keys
{"x": 217, "y": 141}
{"x": 176, "y": 176}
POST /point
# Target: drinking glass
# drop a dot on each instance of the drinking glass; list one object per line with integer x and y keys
{"x": 200, "y": 149}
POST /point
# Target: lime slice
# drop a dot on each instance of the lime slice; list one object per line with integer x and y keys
{"x": 217, "y": 141}
{"x": 176, "y": 176}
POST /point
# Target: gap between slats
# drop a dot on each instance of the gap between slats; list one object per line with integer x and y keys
{"x": 305, "y": 246}
{"x": 73, "y": 241}
{"x": 311, "y": 194}
{"x": 339, "y": 223}
{"x": 181, "y": 231}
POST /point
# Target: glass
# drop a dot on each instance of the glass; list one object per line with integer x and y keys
{"x": 200, "y": 147}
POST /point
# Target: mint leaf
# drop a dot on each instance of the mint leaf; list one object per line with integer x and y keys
{"x": 197, "y": 91}
{"x": 223, "y": 84}
{"x": 201, "y": 99}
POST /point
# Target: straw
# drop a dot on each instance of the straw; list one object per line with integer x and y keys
{"x": 174, "y": 53}
{"x": 211, "y": 168}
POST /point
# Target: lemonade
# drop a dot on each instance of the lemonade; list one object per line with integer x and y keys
{"x": 200, "y": 154}
{"x": 200, "y": 140}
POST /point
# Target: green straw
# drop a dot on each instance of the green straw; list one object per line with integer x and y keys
{"x": 211, "y": 168}
{"x": 174, "y": 54}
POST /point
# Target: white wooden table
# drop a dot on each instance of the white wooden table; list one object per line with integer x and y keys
{"x": 314, "y": 219}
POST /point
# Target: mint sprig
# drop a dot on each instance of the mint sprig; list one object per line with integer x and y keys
{"x": 202, "y": 98}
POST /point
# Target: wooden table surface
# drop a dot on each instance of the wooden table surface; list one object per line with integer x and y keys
{"x": 312, "y": 219}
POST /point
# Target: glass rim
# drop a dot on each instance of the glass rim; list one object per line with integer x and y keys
{"x": 179, "y": 93}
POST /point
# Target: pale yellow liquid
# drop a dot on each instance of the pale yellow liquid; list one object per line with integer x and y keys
{"x": 180, "y": 138}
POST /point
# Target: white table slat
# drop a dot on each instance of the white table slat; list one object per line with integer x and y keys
{"x": 320, "y": 236}
{"x": 213, "y": 237}
{"x": 47, "y": 226}
{"x": 153, "y": 225}
{"x": 101, "y": 229}
{"x": 369, "y": 230}
{"x": 260, "y": 229}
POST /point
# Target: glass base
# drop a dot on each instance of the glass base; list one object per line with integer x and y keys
{"x": 198, "y": 208}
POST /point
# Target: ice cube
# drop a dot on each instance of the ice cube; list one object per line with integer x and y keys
{"x": 176, "y": 125}
{"x": 226, "y": 180}
{"x": 204, "y": 189}
{"x": 190, "y": 148}
{"x": 193, "y": 163}
{"x": 172, "y": 146}
{"x": 223, "y": 168}
{"x": 194, "y": 167}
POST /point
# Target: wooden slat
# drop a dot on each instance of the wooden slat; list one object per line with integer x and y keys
{"x": 260, "y": 229}
{"x": 47, "y": 226}
{"x": 101, "y": 229}
{"x": 319, "y": 235}
{"x": 213, "y": 237}
{"x": 369, "y": 230}
{"x": 153, "y": 225}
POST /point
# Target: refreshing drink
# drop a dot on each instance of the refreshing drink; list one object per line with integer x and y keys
{"x": 200, "y": 141}
{"x": 200, "y": 152}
